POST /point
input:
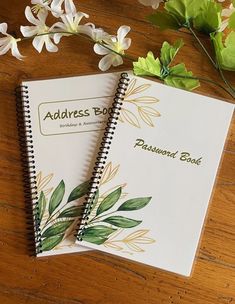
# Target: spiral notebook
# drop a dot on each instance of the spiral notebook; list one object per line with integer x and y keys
{"x": 154, "y": 174}
{"x": 60, "y": 122}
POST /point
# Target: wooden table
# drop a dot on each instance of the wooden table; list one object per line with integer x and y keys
{"x": 93, "y": 278}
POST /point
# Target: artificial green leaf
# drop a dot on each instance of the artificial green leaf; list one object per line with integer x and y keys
{"x": 57, "y": 228}
{"x": 231, "y": 22}
{"x": 135, "y": 204}
{"x": 209, "y": 20}
{"x": 148, "y": 66}
{"x": 168, "y": 52}
{"x": 164, "y": 21}
{"x": 181, "y": 81}
{"x": 98, "y": 231}
{"x": 73, "y": 211}
{"x": 120, "y": 221}
{"x": 225, "y": 52}
{"x": 109, "y": 201}
{"x": 79, "y": 191}
{"x": 56, "y": 197}
{"x": 94, "y": 239}
{"x": 41, "y": 205}
{"x": 49, "y": 243}
{"x": 184, "y": 10}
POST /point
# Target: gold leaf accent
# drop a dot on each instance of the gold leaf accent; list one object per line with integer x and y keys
{"x": 112, "y": 245}
{"x": 128, "y": 116}
{"x": 145, "y": 100}
{"x": 132, "y": 90}
{"x": 146, "y": 112}
{"x": 132, "y": 241}
{"x": 109, "y": 173}
{"x": 113, "y": 189}
{"x": 42, "y": 183}
{"x": 139, "y": 237}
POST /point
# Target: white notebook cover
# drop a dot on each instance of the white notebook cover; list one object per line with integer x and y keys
{"x": 67, "y": 118}
{"x": 158, "y": 177}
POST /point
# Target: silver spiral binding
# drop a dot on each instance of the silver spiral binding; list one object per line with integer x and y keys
{"x": 103, "y": 153}
{"x": 28, "y": 165}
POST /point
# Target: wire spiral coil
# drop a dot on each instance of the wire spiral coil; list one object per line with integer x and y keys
{"x": 28, "y": 162}
{"x": 103, "y": 152}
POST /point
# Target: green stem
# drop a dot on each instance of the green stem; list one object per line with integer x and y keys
{"x": 84, "y": 36}
{"x": 205, "y": 80}
{"x": 231, "y": 90}
{"x": 202, "y": 46}
{"x": 226, "y": 81}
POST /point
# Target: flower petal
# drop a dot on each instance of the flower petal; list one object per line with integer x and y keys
{"x": 106, "y": 62}
{"x": 70, "y": 7}
{"x": 126, "y": 43}
{"x": 30, "y": 17}
{"x": 42, "y": 15}
{"x": 122, "y": 32}
{"x": 100, "y": 50}
{"x": 28, "y": 31}
{"x": 117, "y": 60}
{"x": 56, "y": 8}
{"x": 50, "y": 45}
{"x": 5, "y": 48}
{"x": 15, "y": 52}
{"x": 3, "y": 28}
{"x": 57, "y": 37}
{"x": 38, "y": 43}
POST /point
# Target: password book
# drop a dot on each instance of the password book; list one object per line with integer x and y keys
{"x": 154, "y": 174}
{"x": 60, "y": 122}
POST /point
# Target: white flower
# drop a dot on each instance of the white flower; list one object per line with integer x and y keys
{"x": 39, "y": 5}
{"x": 70, "y": 22}
{"x": 111, "y": 47}
{"x": 153, "y": 3}
{"x": 39, "y": 28}
{"x": 8, "y": 43}
{"x": 96, "y": 34}
{"x": 56, "y": 7}
{"x": 227, "y": 12}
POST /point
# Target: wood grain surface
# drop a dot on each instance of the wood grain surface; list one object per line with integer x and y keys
{"x": 96, "y": 278}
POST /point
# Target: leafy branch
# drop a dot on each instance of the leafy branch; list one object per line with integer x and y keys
{"x": 108, "y": 222}
{"x": 59, "y": 219}
{"x": 206, "y": 17}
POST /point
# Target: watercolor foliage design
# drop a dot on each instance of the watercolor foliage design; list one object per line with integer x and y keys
{"x": 107, "y": 226}
{"x": 57, "y": 215}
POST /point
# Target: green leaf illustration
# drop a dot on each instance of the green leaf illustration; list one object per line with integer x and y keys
{"x": 209, "y": 20}
{"x": 148, "y": 66}
{"x": 79, "y": 191}
{"x": 168, "y": 52}
{"x": 100, "y": 231}
{"x": 94, "y": 239}
{"x": 41, "y": 205}
{"x": 134, "y": 204}
{"x": 57, "y": 228}
{"x": 109, "y": 201}
{"x": 56, "y": 197}
{"x": 164, "y": 21}
{"x": 231, "y": 22}
{"x": 73, "y": 211}
{"x": 181, "y": 82}
{"x": 120, "y": 221}
{"x": 51, "y": 242}
{"x": 225, "y": 52}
